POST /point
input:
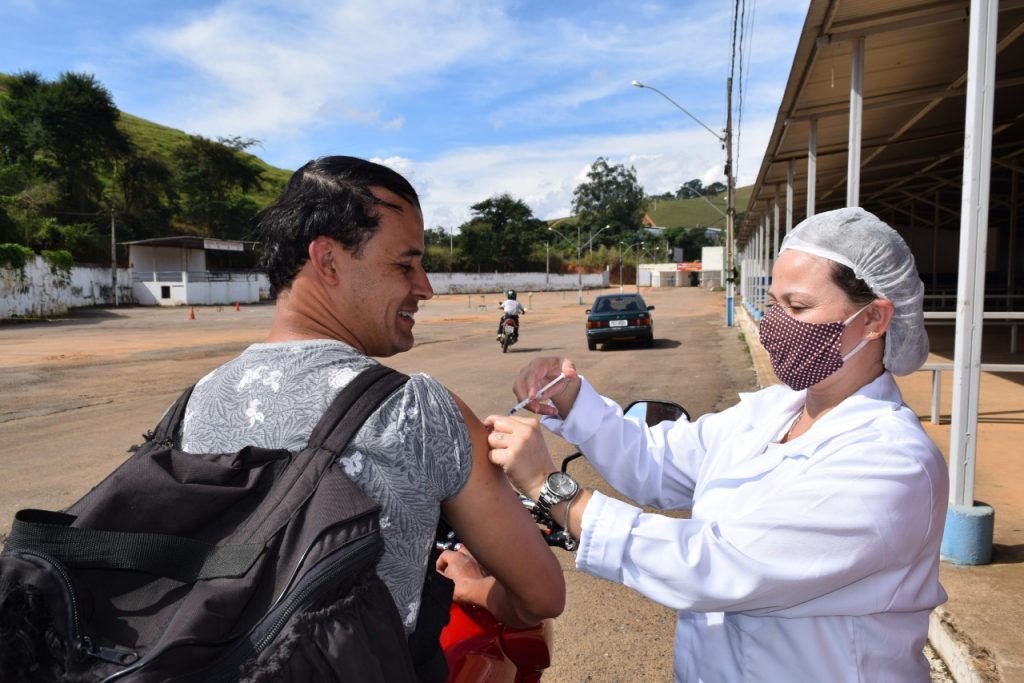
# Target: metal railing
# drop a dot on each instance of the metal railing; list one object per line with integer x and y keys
{"x": 938, "y": 368}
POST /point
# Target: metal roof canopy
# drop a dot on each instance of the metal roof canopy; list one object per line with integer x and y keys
{"x": 913, "y": 117}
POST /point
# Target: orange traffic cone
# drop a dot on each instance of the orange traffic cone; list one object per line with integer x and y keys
{"x": 238, "y": 306}
{"x": 192, "y": 313}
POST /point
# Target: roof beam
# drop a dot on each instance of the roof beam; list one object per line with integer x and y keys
{"x": 895, "y": 20}
{"x": 897, "y": 99}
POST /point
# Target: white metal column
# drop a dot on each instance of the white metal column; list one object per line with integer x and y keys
{"x": 789, "y": 196}
{"x": 775, "y": 225}
{"x": 765, "y": 245}
{"x": 812, "y": 165}
{"x": 981, "y": 63}
{"x": 856, "y": 119}
{"x": 1011, "y": 248}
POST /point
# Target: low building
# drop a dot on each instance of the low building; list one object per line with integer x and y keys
{"x": 198, "y": 271}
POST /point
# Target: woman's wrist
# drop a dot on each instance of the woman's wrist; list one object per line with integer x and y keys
{"x": 567, "y": 398}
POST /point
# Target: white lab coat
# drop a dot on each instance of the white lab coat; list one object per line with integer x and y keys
{"x": 814, "y": 560}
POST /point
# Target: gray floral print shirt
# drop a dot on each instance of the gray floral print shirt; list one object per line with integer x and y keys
{"x": 413, "y": 453}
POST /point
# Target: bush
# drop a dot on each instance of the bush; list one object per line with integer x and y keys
{"x": 15, "y": 256}
{"x": 60, "y": 261}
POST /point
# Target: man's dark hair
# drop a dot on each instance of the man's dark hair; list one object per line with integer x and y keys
{"x": 328, "y": 196}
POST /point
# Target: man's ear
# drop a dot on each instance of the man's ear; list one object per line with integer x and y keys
{"x": 323, "y": 253}
{"x": 879, "y": 314}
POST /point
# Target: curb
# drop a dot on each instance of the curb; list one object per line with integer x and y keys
{"x": 967, "y": 661}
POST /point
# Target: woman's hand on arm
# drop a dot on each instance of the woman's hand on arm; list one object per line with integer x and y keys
{"x": 524, "y": 582}
{"x": 538, "y": 373}
{"x": 517, "y": 446}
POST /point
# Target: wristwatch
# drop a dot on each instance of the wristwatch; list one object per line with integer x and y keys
{"x": 557, "y": 488}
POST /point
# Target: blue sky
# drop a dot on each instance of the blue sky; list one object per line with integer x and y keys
{"x": 468, "y": 98}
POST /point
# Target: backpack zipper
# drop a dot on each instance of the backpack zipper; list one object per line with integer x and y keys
{"x": 352, "y": 554}
{"x": 82, "y": 644}
{"x": 319, "y": 576}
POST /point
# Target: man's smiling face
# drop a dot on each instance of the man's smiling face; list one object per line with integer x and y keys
{"x": 380, "y": 289}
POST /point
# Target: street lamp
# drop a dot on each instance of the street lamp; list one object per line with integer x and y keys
{"x": 590, "y": 241}
{"x": 622, "y": 253}
{"x": 579, "y": 256}
{"x": 547, "y": 265}
{"x": 730, "y": 216}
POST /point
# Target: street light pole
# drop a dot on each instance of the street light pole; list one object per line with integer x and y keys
{"x": 547, "y": 264}
{"x": 620, "y": 267}
{"x": 592, "y": 235}
{"x": 113, "y": 257}
{"x": 579, "y": 256}
{"x": 730, "y": 213}
{"x": 638, "y": 252}
{"x": 579, "y": 259}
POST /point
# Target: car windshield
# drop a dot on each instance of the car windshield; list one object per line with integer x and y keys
{"x": 618, "y": 304}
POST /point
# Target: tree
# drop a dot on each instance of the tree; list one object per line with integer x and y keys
{"x": 611, "y": 196}
{"x": 59, "y": 142}
{"x": 690, "y": 240}
{"x": 67, "y": 129}
{"x": 144, "y": 194}
{"x": 715, "y": 188}
{"x": 691, "y": 189}
{"x": 501, "y": 235}
{"x": 214, "y": 176}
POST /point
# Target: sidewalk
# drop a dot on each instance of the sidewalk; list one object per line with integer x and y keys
{"x": 979, "y": 632}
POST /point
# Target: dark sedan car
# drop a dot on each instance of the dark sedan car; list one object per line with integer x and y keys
{"x": 619, "y": 316}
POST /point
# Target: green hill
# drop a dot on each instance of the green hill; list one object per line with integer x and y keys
{"x": 162, "y": 140}
{"x": 697, "y": 212}
{"x": 684, "y": 213}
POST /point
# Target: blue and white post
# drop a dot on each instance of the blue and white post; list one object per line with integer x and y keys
{"x": 967, "y": 538}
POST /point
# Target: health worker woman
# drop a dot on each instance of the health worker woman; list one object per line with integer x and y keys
{"x": 817, "y": 508}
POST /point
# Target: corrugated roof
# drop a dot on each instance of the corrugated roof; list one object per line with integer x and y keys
{"x": 915, "y": 66}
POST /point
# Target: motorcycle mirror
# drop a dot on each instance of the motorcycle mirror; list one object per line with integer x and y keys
{"x": 655, "y": 412}
{"x": 651, "y": 412}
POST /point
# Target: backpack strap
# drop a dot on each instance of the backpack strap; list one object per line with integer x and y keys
{"x": 352, "y": 407}
{"x": 176, "y": 557}
{"x": 164, "y": 432}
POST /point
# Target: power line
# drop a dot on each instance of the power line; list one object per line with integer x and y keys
{"x": 746, "y": 37}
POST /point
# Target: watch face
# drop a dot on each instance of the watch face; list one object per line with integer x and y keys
{"x": 561, "y": 484}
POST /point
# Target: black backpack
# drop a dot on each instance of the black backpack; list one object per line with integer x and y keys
{"x": 257, "y": 566}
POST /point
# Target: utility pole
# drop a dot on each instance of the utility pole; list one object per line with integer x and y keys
{"x": 547, "y": 265}
{"x": 579, "y": 259}
{"x": 113, "y": 258}
{"x": 730, "y": 211}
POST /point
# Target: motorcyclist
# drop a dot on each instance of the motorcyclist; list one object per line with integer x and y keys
{"x": 511, "y": 311}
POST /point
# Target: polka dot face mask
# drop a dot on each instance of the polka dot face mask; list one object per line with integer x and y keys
{"x": 802, "y": 353}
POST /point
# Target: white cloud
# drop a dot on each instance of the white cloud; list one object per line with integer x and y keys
{"x": 474, "y": 98}
{"x": 544, "y": 174}
{"x": 257, "y": 70}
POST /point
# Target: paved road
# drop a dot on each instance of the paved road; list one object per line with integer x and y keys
{"x": 74, "y": 394}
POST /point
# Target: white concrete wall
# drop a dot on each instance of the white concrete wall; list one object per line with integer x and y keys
{"x": 472, "y": 283}
{"x": 197, "y": 289}
{"x": 149, "y": 259}
{"x": 40, "y": 292}
{"x": 712, "y": 258}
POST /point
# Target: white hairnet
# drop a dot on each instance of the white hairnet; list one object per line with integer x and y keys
{"x": 877, "y": 255}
